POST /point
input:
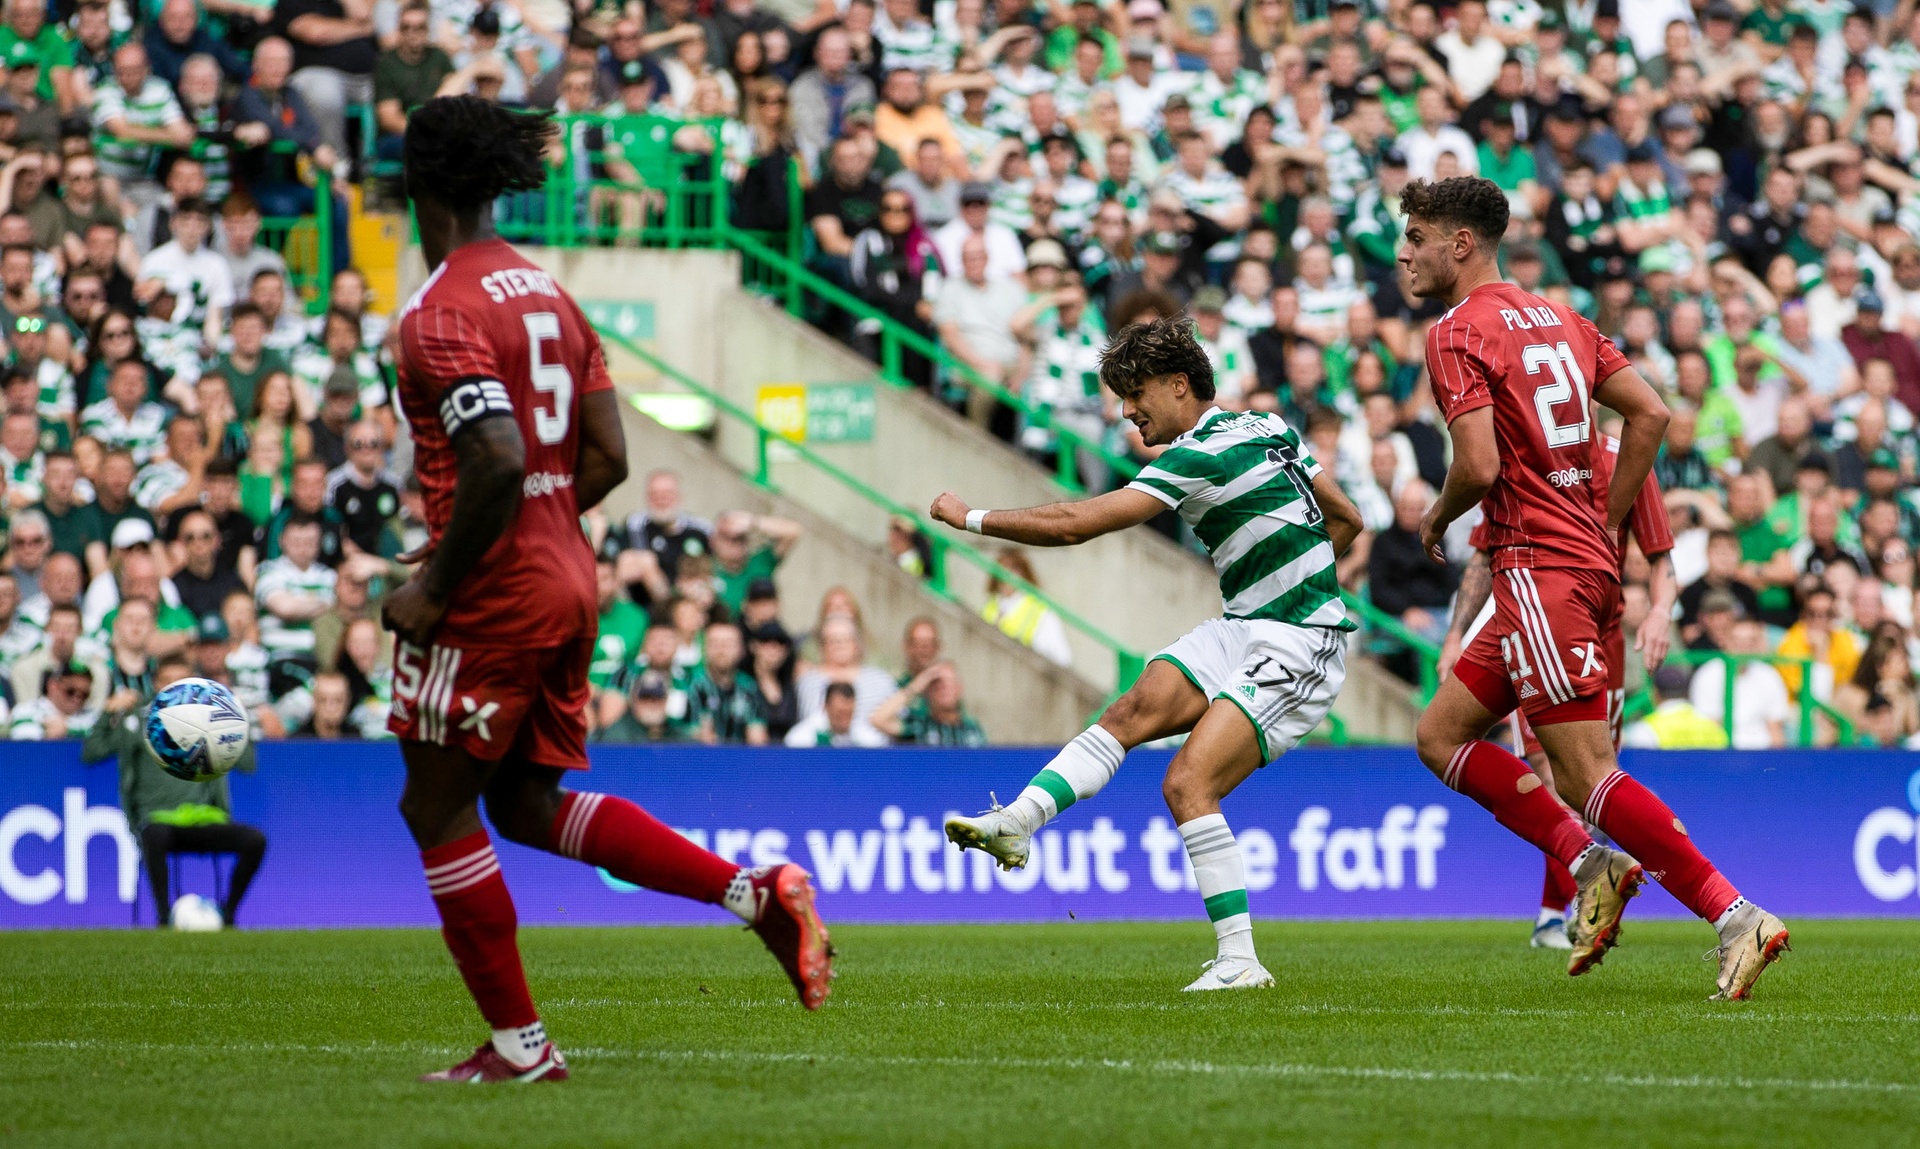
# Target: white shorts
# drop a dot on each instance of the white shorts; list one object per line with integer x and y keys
{"x": 1283, "y": 677}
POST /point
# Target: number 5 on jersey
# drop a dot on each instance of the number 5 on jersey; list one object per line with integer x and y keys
{"x": 554, "y": 379}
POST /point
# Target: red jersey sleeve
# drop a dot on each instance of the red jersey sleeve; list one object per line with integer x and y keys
{"x": 1482, "y": 537}
{"x": 1648, "y": 520}
{"x": 440, "y": 345}
{"x": 1456, "y": 368}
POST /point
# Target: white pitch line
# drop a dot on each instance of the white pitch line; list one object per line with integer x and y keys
{"x": 1165, "y": 1067}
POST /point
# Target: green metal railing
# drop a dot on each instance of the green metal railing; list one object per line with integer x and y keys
{"x": 793, "y": 284}
{"x": 1804, "y": 733}
{"x": 1426, "y": 653}
{"x": 1127, "y": 663}
{"x": 304, "y": 241}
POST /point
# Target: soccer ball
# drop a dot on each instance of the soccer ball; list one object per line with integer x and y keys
{"x": 193, "y": 914}
{"x": 197, "y": 729}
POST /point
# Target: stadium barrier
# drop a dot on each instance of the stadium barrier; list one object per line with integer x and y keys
{"x": 1325, "y": 834}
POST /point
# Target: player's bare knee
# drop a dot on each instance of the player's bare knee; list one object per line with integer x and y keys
{"x": 1435, "y": 743}
{"x": 1188, "y": 792}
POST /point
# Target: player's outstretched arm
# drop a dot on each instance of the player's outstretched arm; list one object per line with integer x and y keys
{"x": 1343, "y": 520}
{"x": 1646, "y": 425}
{"x": 492, "y": 461}
{"x": 1476, "y": 466}
{"x": 1055, "y": 524}
{"x": 603, "y": 449}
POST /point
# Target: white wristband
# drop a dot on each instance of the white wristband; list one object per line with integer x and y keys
{"x": 974, "y": 519}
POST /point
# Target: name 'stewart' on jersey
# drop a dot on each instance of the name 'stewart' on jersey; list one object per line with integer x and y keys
{"x": 1569, "y": 476}
{"x": 516, "y": 282}
{"x": 1528, "y": 318}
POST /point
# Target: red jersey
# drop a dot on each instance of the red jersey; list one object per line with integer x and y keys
{"x": 1535, "y": 363}
{"x": 490, "y": 334}
{"x": 1646, "y": 522}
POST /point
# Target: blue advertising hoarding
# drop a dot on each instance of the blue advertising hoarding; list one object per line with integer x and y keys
{"x": 1325, "y": 833}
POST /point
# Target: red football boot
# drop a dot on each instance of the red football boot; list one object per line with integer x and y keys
{"x": 784, "y": 918}
{"x": 486, "y": 1066}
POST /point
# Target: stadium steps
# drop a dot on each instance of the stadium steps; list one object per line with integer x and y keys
{"x": 1018, "y": 696}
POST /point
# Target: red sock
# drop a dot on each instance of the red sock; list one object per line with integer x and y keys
{"x": 636, "y": 847}
{"x": 478, "y": 921}
{"x": 1559, "y": 887}
{"x": 1517, "y": 799}
{"x": 1641, "y": 824}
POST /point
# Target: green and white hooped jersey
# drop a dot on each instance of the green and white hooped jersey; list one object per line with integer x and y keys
{"x": 1244, "y": 484}
{"x": 280, "y": 636}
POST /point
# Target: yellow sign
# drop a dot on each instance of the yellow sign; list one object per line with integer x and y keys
{"x": 783, "y": 407}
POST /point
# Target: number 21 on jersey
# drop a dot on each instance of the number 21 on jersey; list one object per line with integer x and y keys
{"x": 554, "y": 379}
{"x": 1568, "y": 383}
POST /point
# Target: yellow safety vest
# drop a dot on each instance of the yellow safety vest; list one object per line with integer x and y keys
{"x": 1020, "y": 622}
{"x": 1684, "y": 728}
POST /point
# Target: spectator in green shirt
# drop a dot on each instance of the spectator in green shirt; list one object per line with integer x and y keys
{"x": 1765, "y": 564}
{"x": 74, "y": 525}
{"x": 406, "y": 76}
{"x": 621, "y": 626}
{"x": 1717, "y": 426}
{"x": 28, "y": 37}
{"x": 1501, "y": 161}
{"x": 250, "y": 360}
{"x": 738, "y": 562}
{"x": 928, "y": 711}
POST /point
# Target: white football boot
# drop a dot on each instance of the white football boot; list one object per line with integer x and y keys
{"x": 1231, "y": 973}
{"x": 993, "y": 832}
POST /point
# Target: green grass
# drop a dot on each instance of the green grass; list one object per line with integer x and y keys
{"x": 1414, "y": 1033}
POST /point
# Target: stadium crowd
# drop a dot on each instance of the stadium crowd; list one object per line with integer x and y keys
{"x": 192, "y": 464}
{"x": 1728, "y": 189}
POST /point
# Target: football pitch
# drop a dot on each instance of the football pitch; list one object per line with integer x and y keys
{"x": 1071, "y": 1034}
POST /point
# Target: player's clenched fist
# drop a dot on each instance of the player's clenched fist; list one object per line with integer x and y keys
{"x": 412, "y": 613}
{"x": 950, "y": 510}
{"x": 1433, "y": 534}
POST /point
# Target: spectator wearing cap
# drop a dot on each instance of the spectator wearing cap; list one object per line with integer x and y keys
{"x": 1144, "y": 88}
{"x": 36, "y": 118}
{"x": 129, "y": 542}
{"x": 1005, "y": 254}
{"x": 408, "y": 74}
{"x": 1867, "y": 340}
{"x": 644, "y": 718}
{"x": 1674, "y": 723}
{"x": 28, "y": 39}
{"x": 821, "y": 95}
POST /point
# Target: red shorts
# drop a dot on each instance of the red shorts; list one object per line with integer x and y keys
{"x": 1615, "y": 643}
{"x": 1546, "y": 650}
{"x": 531, "y": 704}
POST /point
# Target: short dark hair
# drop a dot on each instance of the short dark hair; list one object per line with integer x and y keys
{"x": 194, "y": 205}
{"x": 246, "y": 311}
{"x": 222, "y": 467}
{"x": 1462, "y": 201}
{"x": 1143, "y": 351}
{"x": 840, "y": 690}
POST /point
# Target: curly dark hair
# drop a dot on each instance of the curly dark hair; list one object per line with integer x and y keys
{"x": 464, "y": 152}
{"x": 1145, "y": 351}
{"x": 1463, "y": 201}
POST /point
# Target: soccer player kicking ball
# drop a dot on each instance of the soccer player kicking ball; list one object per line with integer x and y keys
{"x": 1473, "y": 609}
{"x": 1247, "y": 686}
{"x": 1510, "y": 371}
{"x": 516, "y": 431}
